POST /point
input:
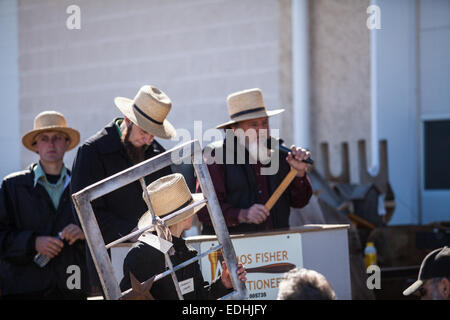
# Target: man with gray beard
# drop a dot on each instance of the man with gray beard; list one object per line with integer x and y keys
{"x": 119, "y": 145}
{"x": 247, "y": 166}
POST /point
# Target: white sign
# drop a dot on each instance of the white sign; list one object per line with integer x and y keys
{"x": 266, "y": 259}
{"x": 186, "y": 286}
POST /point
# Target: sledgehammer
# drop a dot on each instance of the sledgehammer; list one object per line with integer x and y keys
{"x": 285, "y": 183}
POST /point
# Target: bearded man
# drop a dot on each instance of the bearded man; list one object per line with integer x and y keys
{"x": 245, "y": 170}
{"x": 119, "y": 145}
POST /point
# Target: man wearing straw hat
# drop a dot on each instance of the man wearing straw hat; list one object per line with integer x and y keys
{"x": 39, "y": 238}
{"x": 119, "y": 145}
{"x": 239, "y": 179}
{"x": 168, "y": 195}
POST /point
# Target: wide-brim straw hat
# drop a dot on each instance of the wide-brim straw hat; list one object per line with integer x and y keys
{"x": 50, "y": 121}
{"x": 246, "y": 105}
{"x": 168, "y": 195}
{"x": 148, "y": 110}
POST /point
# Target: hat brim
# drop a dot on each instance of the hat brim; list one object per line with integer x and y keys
{"x": 250, "y": 116}
{"x": 28, "y": 140}
{"x": 165, "y": 131}
{"x": 413, "y": 288}
{"x": 146, "y": 219}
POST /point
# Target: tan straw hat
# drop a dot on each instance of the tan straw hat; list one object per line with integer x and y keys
{"x": 167, "y": 195}
{"x": 50, "y": 121}
{"x": 148, "y": 110}
{"x": 245, "y": 105}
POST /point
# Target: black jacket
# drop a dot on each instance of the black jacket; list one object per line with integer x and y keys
{"x": 241, "y": 187}
{"x": 101, "y": 156}
{"x": 118, "y": 212}
{"x": 144, "y": 261}
{"x": 26, "y": 212}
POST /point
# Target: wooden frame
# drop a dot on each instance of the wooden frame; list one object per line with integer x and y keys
{"x": 82, "y": 201}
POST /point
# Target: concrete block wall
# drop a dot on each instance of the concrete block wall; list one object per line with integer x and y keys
{"x": 197, "y": 51}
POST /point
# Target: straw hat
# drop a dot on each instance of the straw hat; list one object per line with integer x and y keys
{"x": 245, "y": 105}
{"x": 148, "y": 110}
{"x": 50, "y": 121}
{"x": 167, "y": 195}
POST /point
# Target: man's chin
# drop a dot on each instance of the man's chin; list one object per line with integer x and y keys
{"x": 48, "y": 160}
{"x": 259, "y": 152}
{"x": 52, "y": 156}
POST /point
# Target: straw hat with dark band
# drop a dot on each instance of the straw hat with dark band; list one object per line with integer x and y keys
{"x": 247, "y": 105}
{"x": 167, "y": 195}
{"x": 148, "y": 110}
{"x": 50, "y": 121}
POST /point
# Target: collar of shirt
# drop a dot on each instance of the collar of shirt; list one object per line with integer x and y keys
{"x": 39, "y": 175}
{"x": 54, "y": 190}
{"x": 117, "y": 124}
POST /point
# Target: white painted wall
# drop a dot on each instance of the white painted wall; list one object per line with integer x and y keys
{"x": 9, "y": 89}
{"x": 434, "y": 91}
{"x": 196, "y": 51}
{"x": 413, "y": 82}
{"x": 397, "y": 116}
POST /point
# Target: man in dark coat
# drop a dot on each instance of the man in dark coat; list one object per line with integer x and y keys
{"x": 121, "y": 144}
{"x": 167, "y": 195}
{"x": 245, "y": 174}
{"x": 36, "y": 220}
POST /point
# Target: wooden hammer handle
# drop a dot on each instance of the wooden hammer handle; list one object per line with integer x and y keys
{"x": 281, "y": 188}
{"x": 361, "y": 221}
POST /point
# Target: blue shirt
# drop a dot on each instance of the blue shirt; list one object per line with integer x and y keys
{"x": 56, "y": 190}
